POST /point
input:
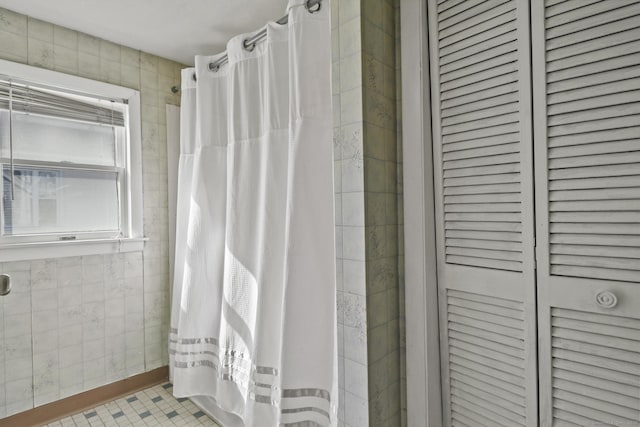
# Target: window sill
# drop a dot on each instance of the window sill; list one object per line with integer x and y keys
{"x": 61, "y": 249}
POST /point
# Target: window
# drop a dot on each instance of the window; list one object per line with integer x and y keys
{"x": 70, "y": 161}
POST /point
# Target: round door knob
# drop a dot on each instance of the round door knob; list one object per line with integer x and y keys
{"x": 5, "y": 284}
{"x": 606, "y": 299}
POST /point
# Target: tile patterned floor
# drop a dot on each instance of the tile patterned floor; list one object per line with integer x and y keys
{"x": 154, "y": 406}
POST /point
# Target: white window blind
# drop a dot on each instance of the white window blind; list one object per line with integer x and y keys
{"x": 27, "y": 98}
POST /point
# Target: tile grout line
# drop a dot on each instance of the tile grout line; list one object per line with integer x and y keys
{"x": 153, "y": 405}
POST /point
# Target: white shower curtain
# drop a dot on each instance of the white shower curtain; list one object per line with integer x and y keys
{"x": 254, "y": 316}
{"x": 185, "y": 172}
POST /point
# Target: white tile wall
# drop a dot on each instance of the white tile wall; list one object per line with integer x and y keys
{"x": 65, "y": 326}
{"x": 72, "y": 324}
{"x": 368, "y": 210}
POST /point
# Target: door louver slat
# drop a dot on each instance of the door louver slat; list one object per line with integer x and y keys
{"x": 614, "y": 69}
{"x": 630, "y": 132}
{"x": 590, "y": 50}
{"x": 624, "y": 20}
{"x": 598, "y": 383}
{"x": 580, "y": 14}
{"x": 484, "y": 107}
{"x": 590, "y": 415}
{"x": 485, "y": 404}
{"x": 594, "y": 123}
{"x": 460, "y": 336}
{"x": 476, "y": 24}
{"x": 491, "y": 377}
{"x": 591, "y": 149}
{"x": 480, "y": 132}
{"x": 485, "y": 31}
{"x": 465, "y": 12}
{"x": 595, "y": 367}
{"x": 604, "y": 89}
{"x": 469, "y": 65}
{"x": 612, "y": 205}
{"x": 487, "y": 357}
{"x": 557, "y": 7}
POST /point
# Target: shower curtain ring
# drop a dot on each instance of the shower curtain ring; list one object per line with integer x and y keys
{"x": 248, "y": 46}
{"x": 310, "y": 6}
{"x": 214, "y": 67}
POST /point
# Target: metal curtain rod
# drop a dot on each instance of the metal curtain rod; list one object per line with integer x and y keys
{"x": 249, "y": 44}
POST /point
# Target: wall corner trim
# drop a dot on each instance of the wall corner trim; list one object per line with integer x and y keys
{"x": 424, "y": 399}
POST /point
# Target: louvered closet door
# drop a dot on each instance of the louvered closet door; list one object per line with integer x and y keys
{"x": 481, "y": 107}
{"x": 587, "y": 148}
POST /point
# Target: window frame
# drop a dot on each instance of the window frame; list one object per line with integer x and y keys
{"x": 27, "y": 247}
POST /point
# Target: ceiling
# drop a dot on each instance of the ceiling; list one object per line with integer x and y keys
{"x": 174, "y": 29}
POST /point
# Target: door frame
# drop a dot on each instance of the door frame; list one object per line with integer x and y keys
{"x": 424, "y": 395}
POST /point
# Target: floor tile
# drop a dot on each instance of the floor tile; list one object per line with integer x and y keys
{"x": 154, "y": 406}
